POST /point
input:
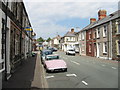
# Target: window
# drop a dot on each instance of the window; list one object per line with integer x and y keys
{"x": 90, "y": 47}
{"x": 67, "y": 39}
{"x": 90, "y": 35}
{"x": 83, "y": 47}
{"x": 118, "y": 47}
{"x": 104, "y": 31}
{"x": 118, "y": 27}
{"x": 105, "y": 47}
{"x": 98, "y": 33}
{"x": 82, "y": 35}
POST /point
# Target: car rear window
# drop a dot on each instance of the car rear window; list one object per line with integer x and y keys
{"x": 52, "y": 57}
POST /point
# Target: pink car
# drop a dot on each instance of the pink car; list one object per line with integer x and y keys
{"x": 53, "y": 63}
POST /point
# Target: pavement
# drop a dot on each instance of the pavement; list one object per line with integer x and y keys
{"x": 30, "y": 75}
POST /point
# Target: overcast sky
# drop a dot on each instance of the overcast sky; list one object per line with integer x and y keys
{"x": 57, "y": 17}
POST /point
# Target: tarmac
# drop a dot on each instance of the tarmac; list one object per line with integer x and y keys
{"x": 30, "y": 75}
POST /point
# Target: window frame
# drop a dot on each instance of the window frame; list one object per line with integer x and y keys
{"x": 98, "y": 34}
{"x": 117, "y": 47}
{"x": 105, "y": 31}
{"x": 105, "y": 49}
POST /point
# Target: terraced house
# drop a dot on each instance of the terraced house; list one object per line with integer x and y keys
{"x": 116, "y": 35}
{"x": 102, "y": 36}
{"x": 15, "y": 41}
{"x": 107, "y": 39}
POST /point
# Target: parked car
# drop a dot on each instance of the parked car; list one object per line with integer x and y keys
{"x": 54, "y": 63}
{"x": 44, "y": 53}
{"x": 53, "y": 49}
{"x": 70, "y": 52}
{"x": 33, "y": 54}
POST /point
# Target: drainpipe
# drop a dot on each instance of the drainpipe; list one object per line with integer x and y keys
{"x": 5, "y": 27}
{"x": 111, "y": 36}
{"x": 21, "y": 35}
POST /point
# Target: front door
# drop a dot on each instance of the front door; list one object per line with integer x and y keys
{"x": 98, "y": 50}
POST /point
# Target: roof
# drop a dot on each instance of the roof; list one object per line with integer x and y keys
{"x": 70, "y": 34}
{"x": 104, "y": 20}
{"x": 107, "y": 18}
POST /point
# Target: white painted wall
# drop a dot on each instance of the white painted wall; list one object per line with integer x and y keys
{"x": 8, "y": 45}
{"x": 55, "y": 41}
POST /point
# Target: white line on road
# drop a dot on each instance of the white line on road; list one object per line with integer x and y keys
{"x": 103, "y": 65}
{"x": 114, "y": 68}
{"x": 75, "y": 62}
{"x": 71, "y": 75}
{"x": 84, "y": 83}
{"x": 49, "y": 76}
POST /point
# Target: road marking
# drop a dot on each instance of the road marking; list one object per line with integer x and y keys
{"x": 84, "y": 83}
{"x": 114, "y": 68}
{"x": 71, "y": 75}
{"x": 49, "y": 76}
{"x": 87, "y": 61}
{"x": 75, "y": 62}
{"x": 103, "y": 65}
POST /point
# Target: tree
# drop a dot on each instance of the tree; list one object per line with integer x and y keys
{"x": 48, "y": 39}
{"x": 40, "y": 39}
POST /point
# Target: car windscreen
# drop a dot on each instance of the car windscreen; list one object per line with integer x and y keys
{"x": 71, "y": 50}
{"x": 47, "y": 52}
{"x": 52, "y": 57}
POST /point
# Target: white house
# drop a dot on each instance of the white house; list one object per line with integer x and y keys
{"x": 68, "y": 40}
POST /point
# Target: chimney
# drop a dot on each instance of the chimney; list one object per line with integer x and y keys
{"x": 92, "y": 20}
{"x": 72, "y": 30}
{"x": 101, "y": 14}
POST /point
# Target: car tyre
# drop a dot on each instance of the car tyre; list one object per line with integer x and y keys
{"x": 65, "y": 70}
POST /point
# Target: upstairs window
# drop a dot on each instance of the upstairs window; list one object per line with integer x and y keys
{"x": 90, "y": 35}
{"x": 98, "y": 33}
{"x": 118, "y": 27}
{"x": 104, "y": 31}
{"x": 83, "y": 36}
{"x": 80, "y": 36}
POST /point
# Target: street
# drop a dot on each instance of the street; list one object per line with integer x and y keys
{"x": 84, "y": 72}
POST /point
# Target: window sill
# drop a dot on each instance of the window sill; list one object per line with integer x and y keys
{"x": 118, "y": 54}
{"x": 118, "y": 33}
{"x": 104, "y": 53}
{"x": 98, "y": 37}
{"x": 104, "y": 36}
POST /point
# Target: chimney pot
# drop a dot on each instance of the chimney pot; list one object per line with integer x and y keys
{"x": 92, "y": 20}
{"x": 72, "y": 30}
{"x": 101, "y": 14}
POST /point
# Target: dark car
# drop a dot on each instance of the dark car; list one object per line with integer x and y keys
{"x": 44, "y": 53}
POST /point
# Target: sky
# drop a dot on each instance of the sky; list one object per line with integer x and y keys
{"x": 52, "y": 17}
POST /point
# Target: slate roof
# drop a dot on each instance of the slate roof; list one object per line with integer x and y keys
{"x": 107, "y": 18}
{"x": 70, "y": 34}
{"x": 104, "y": 20}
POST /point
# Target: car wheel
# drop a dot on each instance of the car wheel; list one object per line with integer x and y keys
{"x": 65, "y": 70}
{"x": 47, "y": 71}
